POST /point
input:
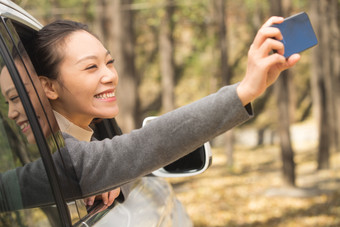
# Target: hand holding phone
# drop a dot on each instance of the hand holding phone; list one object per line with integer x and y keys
{"x": 298, "y": 34}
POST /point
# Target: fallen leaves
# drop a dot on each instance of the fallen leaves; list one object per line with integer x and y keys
{"x": 251, "y": 193}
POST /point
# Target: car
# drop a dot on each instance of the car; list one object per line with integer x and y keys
{"x": 33, "y": 192}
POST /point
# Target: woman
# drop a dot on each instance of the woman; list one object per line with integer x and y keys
{"x": 68, "y": 113}
{"x": 80, "y": 80}
{"x": 17, "y": 113}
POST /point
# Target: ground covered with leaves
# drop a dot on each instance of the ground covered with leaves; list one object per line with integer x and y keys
{"x": 251, "y": 193}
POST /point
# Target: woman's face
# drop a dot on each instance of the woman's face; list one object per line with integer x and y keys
{"x": 16, "y": 110}
{"x": 87, "y": 80}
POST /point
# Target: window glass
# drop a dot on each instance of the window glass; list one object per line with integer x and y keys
{"x": 22, "y": 37}
{"x": 26, "y": 197}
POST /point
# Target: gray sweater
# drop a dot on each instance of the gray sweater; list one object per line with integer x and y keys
{"x": 89, "y": 168}
{"x": 113, "y": 162}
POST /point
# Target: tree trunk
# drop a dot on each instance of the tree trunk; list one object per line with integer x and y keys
{"x": 337, "y": 67}
{"x": 222, "y": 40}
{"x": 103, "y": 20}
{"x": 324, "y": 125}
{"x": 287, "y": 153}
{"x": 328, "y": 70}
{"x": 55, "y": 7}
{"x": 334, "y": 22}
{"x": 282, "y": 86}
{"x": 122, "y": 40}
{"x": 166, "y": 48}
{"x": 326, "y": 77}
{"x": 220, "y": 37}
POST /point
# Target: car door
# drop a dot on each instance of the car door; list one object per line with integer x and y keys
{"x": 30, "y": 192}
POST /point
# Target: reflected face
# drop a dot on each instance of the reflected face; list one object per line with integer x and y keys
{"x": 87, "y": 81}
{"x": 16, "y": 110}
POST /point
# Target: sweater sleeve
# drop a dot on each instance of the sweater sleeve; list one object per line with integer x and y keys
{"x": 103, "y": 165}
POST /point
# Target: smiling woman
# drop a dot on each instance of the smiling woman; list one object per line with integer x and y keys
{"x": 79, "y": 78}
{"x": 80, "y": 82}
{"x": 88, "y": 76}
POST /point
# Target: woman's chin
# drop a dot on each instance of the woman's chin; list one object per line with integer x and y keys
{"x": 109, "y": 114}
{"x": 31, "y": 139}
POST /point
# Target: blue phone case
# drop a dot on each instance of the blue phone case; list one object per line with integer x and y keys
{"x": 298, "y": 34}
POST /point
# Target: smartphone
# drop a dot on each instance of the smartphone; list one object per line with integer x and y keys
{"x": 298, "y": 34}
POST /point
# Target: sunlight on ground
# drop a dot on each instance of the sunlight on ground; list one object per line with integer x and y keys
{"x": 251, "y": 193}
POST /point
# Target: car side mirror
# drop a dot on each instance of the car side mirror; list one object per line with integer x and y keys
{"x": 192, "y": 164}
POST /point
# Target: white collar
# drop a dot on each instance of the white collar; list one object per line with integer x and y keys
{"x": 74, "y": 130}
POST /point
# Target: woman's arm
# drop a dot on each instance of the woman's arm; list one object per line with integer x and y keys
{"x": 175, "y": 134}
{"x": 164, "y": 140}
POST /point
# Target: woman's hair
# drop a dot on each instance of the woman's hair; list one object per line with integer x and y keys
{"x": 47, "y": 49}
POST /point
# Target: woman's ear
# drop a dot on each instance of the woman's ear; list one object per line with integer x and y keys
{"x": 49, "y": 87}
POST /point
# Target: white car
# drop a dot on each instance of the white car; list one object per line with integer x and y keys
{"x": 32, "y": 192}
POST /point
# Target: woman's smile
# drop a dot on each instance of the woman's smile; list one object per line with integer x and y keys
{"x": 106, "y": 96}
{"x": 24, "y": 126}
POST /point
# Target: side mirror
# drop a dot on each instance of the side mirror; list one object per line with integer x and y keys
{"x": 192, "y": 164}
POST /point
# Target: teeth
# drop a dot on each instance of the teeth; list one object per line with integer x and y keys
{"x": 105, "y": 95}
{"x": 24, "y": 125}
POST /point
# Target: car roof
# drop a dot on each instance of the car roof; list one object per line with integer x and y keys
{"x": 11, "y": 10}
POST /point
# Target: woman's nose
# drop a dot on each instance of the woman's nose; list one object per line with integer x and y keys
{"x": 109, "y": 75}
{"x": 13, "y": 113}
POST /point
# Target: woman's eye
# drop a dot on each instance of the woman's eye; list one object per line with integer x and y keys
{"x": 111, "y": 61}
{"x": 91, "y": 67}
{"x": 14, "y": 98}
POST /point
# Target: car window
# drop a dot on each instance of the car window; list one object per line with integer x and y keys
{"x": 22, "y": 36}
{"x": 22, "y": 157}
{"x": 23, "y": 186}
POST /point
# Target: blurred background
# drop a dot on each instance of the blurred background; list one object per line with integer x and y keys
{"x": 279, "y": 169}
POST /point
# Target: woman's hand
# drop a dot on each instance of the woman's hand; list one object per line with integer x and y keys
{"x": 264, "y": 67}
{"x": 107, "y": 197}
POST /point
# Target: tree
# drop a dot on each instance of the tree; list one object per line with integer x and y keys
{"x": 223, "y": 71}
{"x": 282, "y": 86}
{"x": 102, "y": 21}
{"x": 122, "y": 41}
{"x": 166, "y": 51}
{"x": 326, "y": 77}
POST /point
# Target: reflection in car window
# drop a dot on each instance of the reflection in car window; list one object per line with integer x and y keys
{"x": 22, "y": 37}
{"x": 23, "y": 179}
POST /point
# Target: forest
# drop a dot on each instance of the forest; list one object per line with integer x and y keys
{"x": 169, "y": 53}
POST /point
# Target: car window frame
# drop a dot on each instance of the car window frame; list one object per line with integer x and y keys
{"x": 108, "y": 131}
{"x": 36, "y": 128}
